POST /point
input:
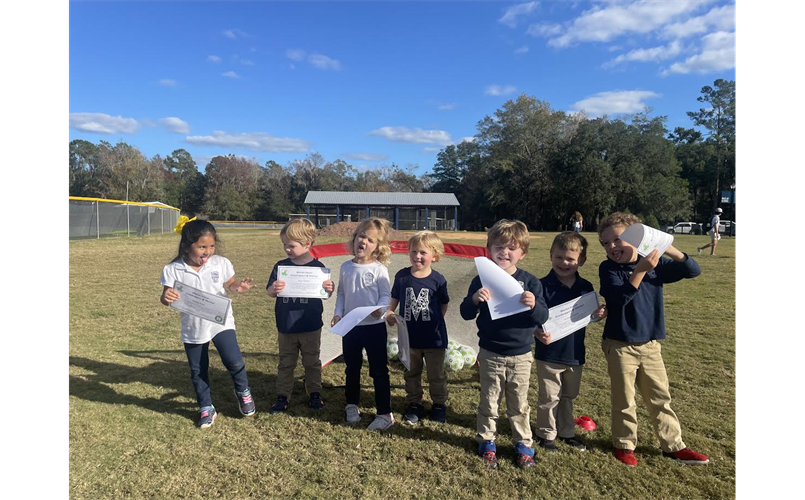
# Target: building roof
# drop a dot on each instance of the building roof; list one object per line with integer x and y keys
{"x": 381, "y": 199}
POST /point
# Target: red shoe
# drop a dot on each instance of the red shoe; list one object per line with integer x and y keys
{"x": 626, "y": 456}
{"x": 687, "y": 456}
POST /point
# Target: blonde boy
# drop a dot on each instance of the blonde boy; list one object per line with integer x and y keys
{"x": 505, "y": 346}
{"x": 298, "y": 319}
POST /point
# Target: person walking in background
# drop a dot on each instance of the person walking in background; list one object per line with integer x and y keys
{"x": 577, "y": 222}
{"x": 713, "y": 232}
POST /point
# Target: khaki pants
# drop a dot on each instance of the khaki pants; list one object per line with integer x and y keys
{"x": 641, "y": 365}
{"x": 437, "y": 376}
{"x": 499, "y": 375}
{"x": 558, "y": 386}
{"x": 290, "y": 345}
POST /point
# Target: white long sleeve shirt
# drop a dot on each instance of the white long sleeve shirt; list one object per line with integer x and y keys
{"x": 361, "y": 285}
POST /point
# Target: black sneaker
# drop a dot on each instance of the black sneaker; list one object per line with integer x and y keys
{"x": 546, "y": 444}
{"x": 206, "y": 418}
{"x": 246, "y": 404}
{"x": 280, "y": 405}
{"x": 573, "y": 442}
{"x": 413, "y": 414}
{"x": 439, "y": 413}
{"x": 315, "y": 401}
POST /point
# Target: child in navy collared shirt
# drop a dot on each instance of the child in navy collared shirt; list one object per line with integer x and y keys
{"x": 559, "y": 364}
{"x": 421, "y": 293}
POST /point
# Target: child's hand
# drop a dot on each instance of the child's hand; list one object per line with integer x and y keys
{"x": 600, "y": 313}
{"x": 277, "y": 286}
{"x": 377, "y": 313}
{"x": 171, "y": 295}
{"x": 391, "y": 319}
{"x": 544, "y": 337}
{"x": 335, "y": 320}
{"x": 528, "y": 299}
{"x": 482, "y": 295}
{"x": 244, "y": 285}
{"x": 648, "y": 262}
{"x": 328, "y": 286}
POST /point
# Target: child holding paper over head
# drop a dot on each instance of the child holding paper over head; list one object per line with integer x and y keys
{"x": 364, "y": 281}
{"x": 422, "y": 295}
{"x": 505, "y": 356}
{"x": 298, "y": 318}
{"x": 633, "y": 289}
{"x": 559, "y": 363}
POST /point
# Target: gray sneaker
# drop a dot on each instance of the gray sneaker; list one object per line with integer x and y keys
{"x": 206, "y": 418}
{"x": 353, "y": 415}
{"x": 382, "y": 422}
{"x": 413, "y": 414}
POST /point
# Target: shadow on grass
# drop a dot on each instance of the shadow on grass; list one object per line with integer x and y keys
{"x": 169, "y": 371}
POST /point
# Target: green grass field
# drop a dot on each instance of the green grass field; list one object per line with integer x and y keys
{"x": 132, "y": 407}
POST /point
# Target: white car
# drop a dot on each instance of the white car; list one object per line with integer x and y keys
{"x": 686, "y": 228}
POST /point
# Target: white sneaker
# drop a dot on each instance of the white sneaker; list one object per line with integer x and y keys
{"x": 353, "y": 415}
{"x": 382, "y": 422}
{"x": 698, "y": 250}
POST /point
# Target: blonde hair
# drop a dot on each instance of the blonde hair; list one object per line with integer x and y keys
{"x": 301, "y": 230}
{"x": 624, "y": 219}
{"x": 570, "y": 241}
{"x": 382, "y": 253}
{"x": 506, "y": 231}
{"x": 427, "y": 239}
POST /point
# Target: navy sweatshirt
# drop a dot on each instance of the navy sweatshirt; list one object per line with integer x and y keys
{"x": 636, "y": 314}
{"x": 513, "y": 334}
{"x": 569, "y": 350}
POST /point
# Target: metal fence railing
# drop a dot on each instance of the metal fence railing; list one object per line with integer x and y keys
{"x": 249, "y": 224}
{"x": 96, "y": 217}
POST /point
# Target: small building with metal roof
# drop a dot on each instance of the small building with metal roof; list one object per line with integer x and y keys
{"x": 407, "y": 211}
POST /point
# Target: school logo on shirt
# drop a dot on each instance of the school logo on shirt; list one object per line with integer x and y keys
{"x": 302, "y": 300}
{"x": 522, "y": 284}
{"x": 415, "y": 306}
{"x": 368, "y": 279}
{"x": 215, "y": 276}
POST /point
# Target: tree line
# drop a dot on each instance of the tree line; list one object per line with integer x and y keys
{"x": 527, "y": 161}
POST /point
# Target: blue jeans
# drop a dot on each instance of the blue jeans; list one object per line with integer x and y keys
{"x": 373, "y": 339}
{"x": 199, "y": 360}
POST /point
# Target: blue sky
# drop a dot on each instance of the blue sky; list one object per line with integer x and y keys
{"x": 375, "y": 82}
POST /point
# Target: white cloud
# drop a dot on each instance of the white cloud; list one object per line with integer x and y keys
{"x": 446, "y": 107}
{"x": 544, "y": 30}
{"x": 719, "y": 18}
{"x": 500, "y": 90}
{"x": 230, "y": 74}
{"x": 467, "y": 139}
{"x": 417, "y": 135}
{"x": 512, "y": 13}
{"x": 647, "y": 55}
{"x": 366, "y": 157}
{"x": 295, "y": 54}
{"x": 102, "y": 123}
{"x": 615, "y": 102}
{"x": 602, "y": 24}
{"x": 323, "y": 62}
{"x": 176, "y": 125}
{"x": 213, "y": 59}
{"x": 718, "y": 54}
{"x": 431, "y": 149}
{"x": 235, "y": 34}
{"x": 166, "y": 82}
{"x": 522, "y": 50}
{"x": 253, "y": 141}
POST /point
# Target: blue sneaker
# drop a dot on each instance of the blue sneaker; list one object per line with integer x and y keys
{"x": 206, "y": 418}
{"x": 524, "y": 456}
{"x": 488, "y": 452}
{"x": 246, "y": 403}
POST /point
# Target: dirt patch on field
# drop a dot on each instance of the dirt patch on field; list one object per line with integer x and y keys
{"x": 345, "y": 229}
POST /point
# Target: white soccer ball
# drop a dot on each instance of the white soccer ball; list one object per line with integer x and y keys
{"x": 392, "y": 349}
{"x": 454, "y": 361}
{"x": 469, "y": 356}
{"x": 452, "y": 345}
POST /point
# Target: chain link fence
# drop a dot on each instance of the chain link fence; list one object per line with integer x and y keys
{"x": 95, "y": 217}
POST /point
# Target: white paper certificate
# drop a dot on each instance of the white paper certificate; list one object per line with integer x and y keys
{"x": 403, "y": 342}
{"x": 199, "y": 303}
{"x": 571, "y": 316}
{"x": 303, "y": 281}
{"x": 645, "y": 239}
{"x": 352, "y": 318}
{"x": 505, "y": 291}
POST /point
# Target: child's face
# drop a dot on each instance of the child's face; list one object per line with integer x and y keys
{"x": 506, "y": 255}
{"x": 565, "y": 263}
{"x": 421, "y": 257}
{"x": 294, "y": 249}
{"x": 617, "y": 249}
{"x": 365, "y": 245}
{"x": 200, "y": 252}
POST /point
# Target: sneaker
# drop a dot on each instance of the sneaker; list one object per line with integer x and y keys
{"x": 353, "y": 415}
{"x": 488, "y": 453}
{"x": 315, "y": 401}
{"x": 575, "y": 443}
{"x": 280, "y": 405}
{"x": 382, "y": 422}
{"x": 413, "y": 413}
{"x": 206, "y": 418}
{"x": 546, "y": 444}
{"x": 246, "y": 404}
{"x": 524, "y": 456}
{"x": 439, "y": 413}
{"x": 687, "y": 456}
{"x": 698, "y": 250}
{"x": 626, "y": 456}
